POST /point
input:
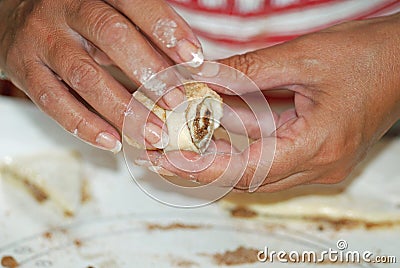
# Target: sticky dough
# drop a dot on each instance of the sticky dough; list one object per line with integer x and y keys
{"x": 193, "y": 128}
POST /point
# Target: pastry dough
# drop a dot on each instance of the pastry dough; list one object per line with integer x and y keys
{"x": 55, "y": 176}
{"x": 193, "y": 128}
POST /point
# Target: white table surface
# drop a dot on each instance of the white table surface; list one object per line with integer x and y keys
{"x": 112, "y": 229}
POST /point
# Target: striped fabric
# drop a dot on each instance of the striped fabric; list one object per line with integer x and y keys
{"x": 228, "y": 27}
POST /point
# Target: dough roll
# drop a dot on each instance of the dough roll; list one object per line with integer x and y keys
{"x": 193, "y": 128}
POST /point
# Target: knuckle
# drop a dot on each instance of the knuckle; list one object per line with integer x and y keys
{"x": 76, "y": 125}
{"x": 113, "y": 30}
{"x": 29, "y": 74}
{"x": 24, "y": 11}
{"x": 83, "y": 76}
{"x": 54, "y": 47}
{"x": 42, "y": 99}
{"x": 247, "y": 176}
{"x": 107, "y": 26}
{"x": 81, "y": 124}
{"x": 38, "y": 87}
{"x": 119, "y": 116}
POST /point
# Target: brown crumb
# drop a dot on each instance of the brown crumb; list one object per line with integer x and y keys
{"x": 340, "y": 224}
{"x": 272, "y": 227}
{"x": 243, "y": 212}
{"x": 85, "y": 195}
{"x": 9, "y": 262}
{"x": 173, "y": 226}
{"x": 68, "y": 214}
{"x": 241, "y": 255}
{"x": 374, "y": 225}
{"x": 36, "y": 192}
{"x": 48, "y": 235}
{"x": 185, "y": 264}
{"x": 77, "y": 243}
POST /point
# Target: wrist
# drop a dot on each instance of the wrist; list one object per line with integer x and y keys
{"x": 8, "y": 10}
{"x": 395, "y": 21}
{"x": 380, "y": 55}
{"x": 391, "y": 36}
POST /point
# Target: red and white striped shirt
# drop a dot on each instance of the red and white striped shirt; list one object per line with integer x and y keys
{"x": 227, "y": 27}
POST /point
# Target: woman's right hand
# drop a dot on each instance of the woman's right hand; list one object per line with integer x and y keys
{"x": 52, "y": 48}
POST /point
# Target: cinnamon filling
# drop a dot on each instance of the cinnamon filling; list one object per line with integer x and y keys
{"x": 37, "y": 193}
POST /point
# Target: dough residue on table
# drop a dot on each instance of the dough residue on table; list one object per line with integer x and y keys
{"x": 9, "y": 262}
{"x": 241, "y": 255}
{"x": 173, "y": 226}
{"x": 243, "y": 212}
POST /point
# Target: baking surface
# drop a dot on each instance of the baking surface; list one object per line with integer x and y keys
{"x": 120, "y": 226}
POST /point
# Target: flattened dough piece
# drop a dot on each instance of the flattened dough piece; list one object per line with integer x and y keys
{"x": 55, "y": 176}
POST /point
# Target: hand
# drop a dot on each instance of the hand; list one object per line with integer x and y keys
{"x": 346, "y": 86}
{"x": 52, "y": 50}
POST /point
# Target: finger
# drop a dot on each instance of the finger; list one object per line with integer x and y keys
{"x": 299, "y": 137}
{"x": 227, "y": 169}
{"x": 75, "y": 66}
{"x": 253, "y": 166}
{"x": 283, "y": 184}
{"x": 239, "y": 118}
{"x": 269, "y": 68}
{"x": 167, "y": 30}
{"x": 53, "y": 98}
{"x": 221, "y": 147}
{"x": 285, "y": 117}
{"x": 237, "y": 112}
{"x": 304, "y": 178}
{"x": 99, "y": 56}
{"x": 117, "y": 37}
{"x": 106, "y": 95}
{"x": 144, "y": 128}
{"x": 302, "y": 147}
{"x": 191, "y": 166}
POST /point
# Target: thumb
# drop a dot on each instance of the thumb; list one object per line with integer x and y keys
{"x": 269, "y": 68}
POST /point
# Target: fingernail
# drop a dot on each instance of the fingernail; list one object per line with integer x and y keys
{"x": 156, "y": 136}
{"x": 161, "y": 171}
{"x": 143, "y": 163}
{"x": 209, "y": 70}
{"x": 190, "y": 53}
{"x": 109, "y": 142}
{"x": 174, "y": 98}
